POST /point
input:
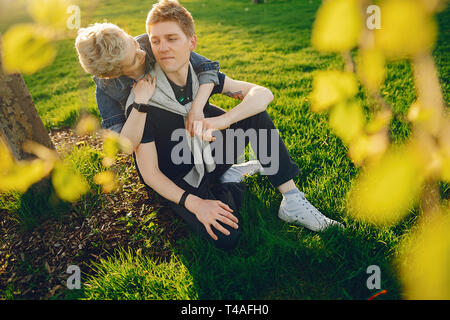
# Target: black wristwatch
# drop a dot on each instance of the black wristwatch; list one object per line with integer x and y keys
{"x": 141, "y": 107}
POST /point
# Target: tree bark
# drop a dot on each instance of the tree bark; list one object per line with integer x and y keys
{"x": 19, "y": 119}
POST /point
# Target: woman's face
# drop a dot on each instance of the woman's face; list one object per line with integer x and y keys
{"x": 135, "y": 58}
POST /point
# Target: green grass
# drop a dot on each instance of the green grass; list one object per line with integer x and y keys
{"x": 41, "y": 202}
{"x": 130, "y": 276}
{"x": 268, "y": 44}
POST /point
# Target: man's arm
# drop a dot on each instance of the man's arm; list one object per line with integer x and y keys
{"x": 207, "y": 212}
{"x": 255, "y": 99}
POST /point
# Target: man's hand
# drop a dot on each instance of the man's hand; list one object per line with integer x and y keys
{"x": 143, "y": 90}
{"x": 209, "y": 212}
{"x": 207, "y": 126}
{"x": 193, "y": 115}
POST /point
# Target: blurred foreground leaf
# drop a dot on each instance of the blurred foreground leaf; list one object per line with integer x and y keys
{"x": 107, "y": 180}
{"x": 407, "y": 29}
{"x": 52, "y": 13}
{"x": 68, "y": 184}
{"x": 337, "y": 26}
{"x": 347, "y": 120}
{"x": 331, "y": 87}
{"x": 425, "y": 259}
{"x": 26, "y": 49}
{"x": 387, "y": 189}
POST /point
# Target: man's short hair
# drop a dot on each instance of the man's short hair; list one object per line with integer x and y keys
{"x": 101, "y": 49}
{"x": 171, "y": 10}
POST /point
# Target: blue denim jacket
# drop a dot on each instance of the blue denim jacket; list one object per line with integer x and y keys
{"x": 112, "y": 94}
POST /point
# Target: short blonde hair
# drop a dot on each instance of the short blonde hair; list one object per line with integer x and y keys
{"x": 171, "y": 10}
{"x": 101, "y": 49}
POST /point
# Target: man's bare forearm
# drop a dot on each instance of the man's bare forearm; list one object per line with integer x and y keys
{"x": 169, "y": 190}
{"x": 255, "y": 101}
{"x": 146, "y": 158}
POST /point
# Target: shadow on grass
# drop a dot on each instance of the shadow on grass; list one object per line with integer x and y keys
{"x": 274, "y": 260}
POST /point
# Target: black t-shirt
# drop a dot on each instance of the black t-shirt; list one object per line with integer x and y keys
{"x": 161, "y": 123}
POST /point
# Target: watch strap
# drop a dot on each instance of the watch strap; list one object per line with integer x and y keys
{"x": 183, "y": 199}
{"x": 141, "y": 107}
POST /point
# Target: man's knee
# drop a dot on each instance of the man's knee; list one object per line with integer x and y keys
{"x": 227, "y": 242}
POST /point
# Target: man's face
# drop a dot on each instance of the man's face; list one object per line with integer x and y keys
{"x": 170, "y": 45}
{"x": 134, "y": 58}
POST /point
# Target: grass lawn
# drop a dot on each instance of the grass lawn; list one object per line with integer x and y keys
{"x": 268, "y": 44}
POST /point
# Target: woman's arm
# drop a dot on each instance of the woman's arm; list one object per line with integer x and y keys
{"x": 200, "y": 100}
{"x": 134, "y": 126}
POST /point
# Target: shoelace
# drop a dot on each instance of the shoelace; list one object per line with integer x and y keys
{"x": 316, "y": 213}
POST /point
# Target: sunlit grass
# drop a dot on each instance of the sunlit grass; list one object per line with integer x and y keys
{"x": 128, "y": 275}
{"x": 268, "y": 44}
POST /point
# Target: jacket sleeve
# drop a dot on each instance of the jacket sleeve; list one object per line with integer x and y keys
{"x": 113, "y": 118}
{"x": 206, "y": 69}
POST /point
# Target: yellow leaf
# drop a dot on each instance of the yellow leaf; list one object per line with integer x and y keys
{"x": 22, "y": 175}
{"x": 380, "y": 121}
{"x": 52, "y": 13}
{"x": 87, "y": 125}
{"x": 111, "y": 144}
{"x": 424, "y": 259}
{"x": 407, "y": 29}
{"x": 347, "y": 120}
{"x": 69, "y": 185}
{"x": 445, "y": 168}
{"x": 368, "y": 148}
{"x": 332, "y": 87}
{"x": 6, "y": 158}
{"x": 371, "y": 68}
{"x": 337, "y": 26}
{"x": 425, "y": 117}
{"x": 388, "y": 188}
{"x": 125, "y": 145}
{"x": 25, "y": 50}
{"x": 40, "y": 151}
{"x": 108, "y": 162}
{"x": 107, "y": 180}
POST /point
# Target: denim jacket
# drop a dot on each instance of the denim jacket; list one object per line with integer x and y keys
{"x": 112, "y": 94}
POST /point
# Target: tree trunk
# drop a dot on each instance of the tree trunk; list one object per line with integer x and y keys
{"x": 19, "y": 120}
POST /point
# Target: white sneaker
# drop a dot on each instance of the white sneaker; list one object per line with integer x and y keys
{"x": 238, "y": 172}
{"x": 299, "y": 210}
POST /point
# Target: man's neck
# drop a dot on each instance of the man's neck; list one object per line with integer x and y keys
{"x": 179, "y": 77}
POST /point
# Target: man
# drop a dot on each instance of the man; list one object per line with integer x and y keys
{"x": 191, "y": 188}
{"x": 170, "y": 28}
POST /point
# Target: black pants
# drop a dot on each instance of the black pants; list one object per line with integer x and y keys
{"x": 232, "y": 193}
